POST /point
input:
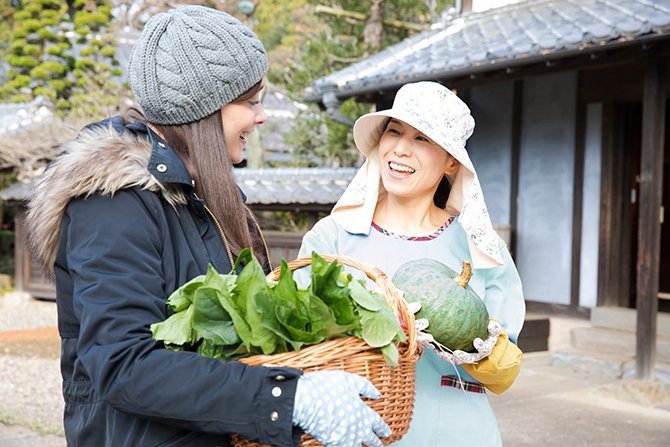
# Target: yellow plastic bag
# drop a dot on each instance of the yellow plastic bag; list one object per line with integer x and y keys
{"x": 498, "y": 371}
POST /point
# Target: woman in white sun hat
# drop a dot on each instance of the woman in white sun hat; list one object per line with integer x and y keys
{"x": 418, "y": 196}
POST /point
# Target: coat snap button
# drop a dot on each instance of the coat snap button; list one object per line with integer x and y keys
{"x": 161, "y": 145}
{"x": 161, "y": 168}
{"x": 280, "y": 378}
{"x": 276, "y": 391}
{"x": 274, "y": 416}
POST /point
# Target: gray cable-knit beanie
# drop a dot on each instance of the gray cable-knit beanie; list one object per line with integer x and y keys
{"x": 191, "y": 61}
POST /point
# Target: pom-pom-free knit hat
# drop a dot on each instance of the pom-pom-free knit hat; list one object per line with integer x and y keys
{"x": 190, "y": 61}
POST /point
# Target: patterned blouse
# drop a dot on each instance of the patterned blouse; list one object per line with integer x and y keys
{"x": 425, "y": 237}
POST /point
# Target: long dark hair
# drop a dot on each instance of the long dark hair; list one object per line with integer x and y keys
{"x": 202, "y": 148}
{"x": 442, "y": 193}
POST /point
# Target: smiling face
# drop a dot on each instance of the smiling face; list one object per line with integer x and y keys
{"x": 412, "y": 165}
{"x": 239, "y": 119}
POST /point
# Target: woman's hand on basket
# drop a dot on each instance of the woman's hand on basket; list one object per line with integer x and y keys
{"x": 328, "y": 406}
{"x": 457, "y": 357}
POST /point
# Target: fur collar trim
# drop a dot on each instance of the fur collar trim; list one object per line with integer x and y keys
{"x": 101, "y": 160}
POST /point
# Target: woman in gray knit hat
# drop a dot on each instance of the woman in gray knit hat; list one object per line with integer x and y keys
{"x": 138, "y": 205}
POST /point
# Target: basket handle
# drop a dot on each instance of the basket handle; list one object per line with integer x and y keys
{"x": 390, "y": 292}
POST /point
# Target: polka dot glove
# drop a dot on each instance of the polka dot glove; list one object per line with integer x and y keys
{"x": 483, "y": 347}
{"x": 328, "y": 407}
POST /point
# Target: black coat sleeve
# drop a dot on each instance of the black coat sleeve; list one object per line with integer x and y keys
{"x": 113, "y": 251}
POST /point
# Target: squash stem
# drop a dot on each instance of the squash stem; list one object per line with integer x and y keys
{"x": 464, "y": 278}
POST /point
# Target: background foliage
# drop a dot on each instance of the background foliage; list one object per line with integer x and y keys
{"x": 305, "y": 44}
{"x": 6, "y": 17}
{"x": 64, "y": 51}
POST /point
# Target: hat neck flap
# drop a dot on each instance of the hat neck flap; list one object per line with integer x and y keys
{"x": 355, "y": 208}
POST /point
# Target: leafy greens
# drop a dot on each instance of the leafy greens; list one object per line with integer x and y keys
{"x": 237, "y": 315}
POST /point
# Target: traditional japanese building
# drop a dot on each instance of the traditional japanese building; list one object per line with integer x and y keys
{"x": 569, "y": 99}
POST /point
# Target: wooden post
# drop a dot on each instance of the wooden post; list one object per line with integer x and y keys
{"x": 649, "y": 236}
{"x": 578, "y": 193}
{"x": 613, "y": 281}
{"x": 466, "y": 6}
{"x": 21, "y": 248}
{"x": 517, "y": 125}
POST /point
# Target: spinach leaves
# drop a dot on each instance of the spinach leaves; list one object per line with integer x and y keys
{"x": 232, "y": 316}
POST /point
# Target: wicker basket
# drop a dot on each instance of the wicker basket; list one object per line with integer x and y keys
{"x": 352, "y": 354}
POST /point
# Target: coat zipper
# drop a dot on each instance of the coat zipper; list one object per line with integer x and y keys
{"x": 222, "y": 234}
{"x": 225, "y": 240}
{"x": 265, "y": 245}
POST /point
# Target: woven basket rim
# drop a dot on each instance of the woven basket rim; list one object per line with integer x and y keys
{"x": 391, "y": 294}
{"x": 409, "y": 350}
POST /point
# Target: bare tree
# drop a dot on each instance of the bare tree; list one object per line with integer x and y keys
{"x": 374, "y": 25}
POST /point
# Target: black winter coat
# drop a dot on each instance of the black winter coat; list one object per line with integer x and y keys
{"x": 116, "y": 215}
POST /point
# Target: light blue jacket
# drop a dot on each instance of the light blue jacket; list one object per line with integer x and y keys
{"x": 443, "y": 416}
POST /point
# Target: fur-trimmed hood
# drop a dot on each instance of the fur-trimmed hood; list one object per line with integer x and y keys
{"x": 104, "y": 158}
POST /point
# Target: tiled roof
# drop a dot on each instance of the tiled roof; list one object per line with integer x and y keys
{"x": 268, "y": 186}
{"x": 21, "y": 116}
{"x": 294, "y": 185}
{"x": 30, "y": 134}
{"x": 281, "y": 110}
{"x": 17, "y": 191}
{"x": 503, "y": 36}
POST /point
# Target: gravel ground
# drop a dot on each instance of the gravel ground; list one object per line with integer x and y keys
{"x": 31, "y": 403}
{"x": 18, "y": 311}
{"x": 549, "y": 406}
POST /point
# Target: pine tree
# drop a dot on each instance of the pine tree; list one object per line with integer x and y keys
{"x": 6, "y": 17}
{"x": 96, "y": 91}
{"x": 38, "y": 53}
{"x": 59, "y": 50}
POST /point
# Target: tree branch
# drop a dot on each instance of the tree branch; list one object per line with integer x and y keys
{"x": 361, "y": 17}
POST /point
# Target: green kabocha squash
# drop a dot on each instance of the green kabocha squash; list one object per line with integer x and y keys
{"x": 456, "y": 314}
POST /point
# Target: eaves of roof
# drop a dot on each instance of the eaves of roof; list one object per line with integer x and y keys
{"x": 394, "y": 84}
{"x": 517, "y": 35}
{"x": 266, "y": 186}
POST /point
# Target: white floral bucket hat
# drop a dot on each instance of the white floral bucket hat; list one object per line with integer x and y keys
{"x": 437, "y": 112}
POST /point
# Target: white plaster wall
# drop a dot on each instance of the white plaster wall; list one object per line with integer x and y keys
{"x": 546, "y": 183}
{"x": 483, "y": 5}
{"x": 490, "y": 146}
{"x": 588, "y": 269}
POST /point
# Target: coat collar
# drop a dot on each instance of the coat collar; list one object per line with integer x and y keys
{"x": 164, "y": 164}
{"x": 104, "y": 158}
